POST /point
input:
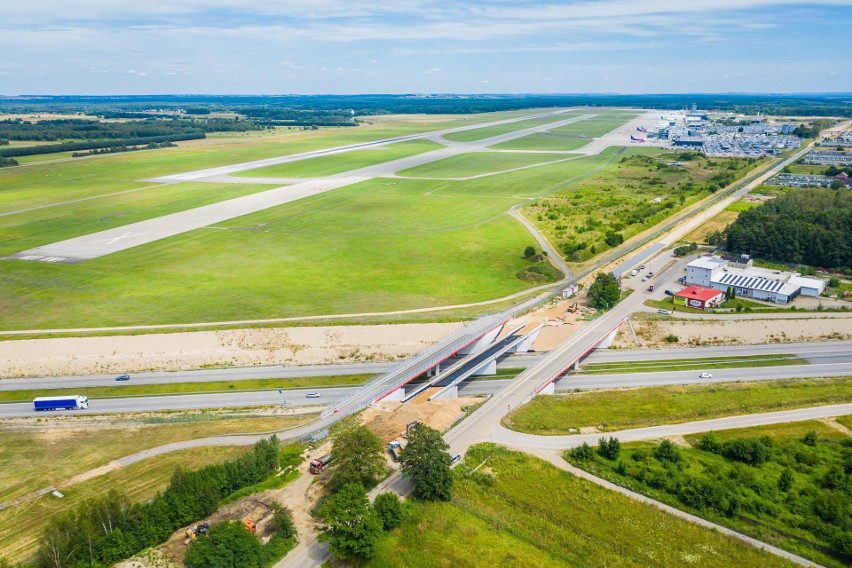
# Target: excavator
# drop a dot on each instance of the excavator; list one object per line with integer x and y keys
{"x": 194, "y": 531}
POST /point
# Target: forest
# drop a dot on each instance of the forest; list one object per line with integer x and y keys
{"x": 338, "y": 106}
{"x": 811, "y": 226}
{"x": 789, "y": 488}
{"x": 103, "y": 531}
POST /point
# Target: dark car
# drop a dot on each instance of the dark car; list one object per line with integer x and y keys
{"x": 123, "y": 378}
{"x": 669, "y": 293}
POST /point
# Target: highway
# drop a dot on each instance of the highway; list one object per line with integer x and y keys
{"x": 295, "y": 398}
{"x": 227, "y": 374}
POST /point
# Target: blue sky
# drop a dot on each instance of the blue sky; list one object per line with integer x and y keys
{"x": 108, "y": 47}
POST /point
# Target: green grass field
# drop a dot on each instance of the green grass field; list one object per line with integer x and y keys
{"x": 623, "y": 409}
{"x": 692, "y": 364}
{"x": 474, "y": 164}
{"x": 640, "y": 191}
{"x": 130, "y": 389}
{"x": 44, "y": 226}
{"x": 336, "y": 163}
{"x": 525, "y": 512}
{"x": 489, "y": 131}
{"x": 597, "y": 126}
{"x": 68, "y": 446}
{"x": 21, "y": 526}
{"x": 733, "y": 483}
{"x": 382, "y": 242}
{"x": 544, "y": 141}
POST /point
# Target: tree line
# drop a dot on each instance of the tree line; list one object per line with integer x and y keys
{"x": 102, "y": 531}
{"x": 810, "y": 226}
{"x": 92, "y": 144}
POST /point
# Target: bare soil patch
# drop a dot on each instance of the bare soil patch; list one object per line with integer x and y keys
{"x": 194, "y": 350}
{"x": 734, "y": 332}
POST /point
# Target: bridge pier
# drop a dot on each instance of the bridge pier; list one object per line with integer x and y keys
{"x": 483, "y": 342}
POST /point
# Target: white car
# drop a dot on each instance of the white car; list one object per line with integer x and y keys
{"x": 312, "y": 394}
{"x": 705, "y": 376}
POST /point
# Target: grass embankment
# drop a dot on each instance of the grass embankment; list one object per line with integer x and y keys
{"x": 731, "y": 307}
{"x": 21, "y": 525}
{"x": 775, "y": 483}
{"x": 343, "y": 162}
{"x": 692, "y": 364}
{"x": 64, "y": 447}
{"x": 526, "y": 512}
{"x": 639, "y": 192}
{"x": 638, "y": 408}
{"x": 196, "y": 388}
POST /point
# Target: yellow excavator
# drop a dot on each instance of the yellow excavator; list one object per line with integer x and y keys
{"x": 195, "y": 530}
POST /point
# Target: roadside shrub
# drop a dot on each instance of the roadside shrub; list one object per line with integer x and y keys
{"x": 710, "y": 442}
{"x": 672, "y": 338}
{"x": 667, "y": 451}
{"x": 810, "y": 439}
{"x": 389, "y": 509}
{"x": 747, "y": 450}
{"x": 583, "y": 453}
{"x": 610, "y": 449}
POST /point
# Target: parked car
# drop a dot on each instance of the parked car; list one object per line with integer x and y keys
{"x": 665, "y": 312}
{"x": 669, "y": 293}
{"x": 644, "y": 279}
{"x": 123, "y": 378}
{"x": 705, "y": 376}
{"x": 650, "y": 274}
{"x": 312, "y": 394}
{"x": 456, "y": 457}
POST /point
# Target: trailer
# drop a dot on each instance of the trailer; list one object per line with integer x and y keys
{"x": 69, "y": 402}
{"x": 319, "y": 464}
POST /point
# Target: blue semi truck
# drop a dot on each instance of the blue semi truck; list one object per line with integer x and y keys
{"x": 70, "y": 402}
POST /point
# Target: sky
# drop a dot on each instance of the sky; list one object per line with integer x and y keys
{"x": 114, "y": 47}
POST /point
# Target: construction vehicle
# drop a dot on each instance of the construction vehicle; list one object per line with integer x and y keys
{"x": 573, "y": 307}
{"x": 194, "y": 531}
{"x": 319, "y": 464}
{"x": 250, "y": 526}
{"x": 409, "y": 428}
{"x": 395, "y": 449}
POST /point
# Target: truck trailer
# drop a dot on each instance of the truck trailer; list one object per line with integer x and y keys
{"x": 318, "y": 465}
{"x": 71, "y": 402}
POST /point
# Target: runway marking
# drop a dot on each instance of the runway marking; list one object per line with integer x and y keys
{"x": 116, "y": 239}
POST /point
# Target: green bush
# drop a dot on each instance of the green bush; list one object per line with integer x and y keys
{"x": 667, "y": 451}
{"x": 389, "y": 509}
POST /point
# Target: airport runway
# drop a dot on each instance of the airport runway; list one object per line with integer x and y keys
{"x": 106, "y": 242}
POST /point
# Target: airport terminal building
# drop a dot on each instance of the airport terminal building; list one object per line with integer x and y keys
{"x": 750, "y": 282}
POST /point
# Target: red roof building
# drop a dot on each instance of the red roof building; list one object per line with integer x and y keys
{"x": 698, "y": 297}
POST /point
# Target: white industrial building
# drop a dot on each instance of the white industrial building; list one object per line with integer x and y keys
{"x": 750, "y": 282}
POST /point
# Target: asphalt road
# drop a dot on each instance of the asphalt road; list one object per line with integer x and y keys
{"x": 803, "y": 350}
{"x": 593, "y": 382}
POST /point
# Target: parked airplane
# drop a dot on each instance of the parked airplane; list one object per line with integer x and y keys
{"x": 641, "y": 129}
{"x": 634, "y": 139}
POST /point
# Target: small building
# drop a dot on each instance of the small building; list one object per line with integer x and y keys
{"x": 692, "y": 142}
{"x": 698, "y": 297}
{"x": 748, "y": 281}
{"x": 808, "y": 286}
